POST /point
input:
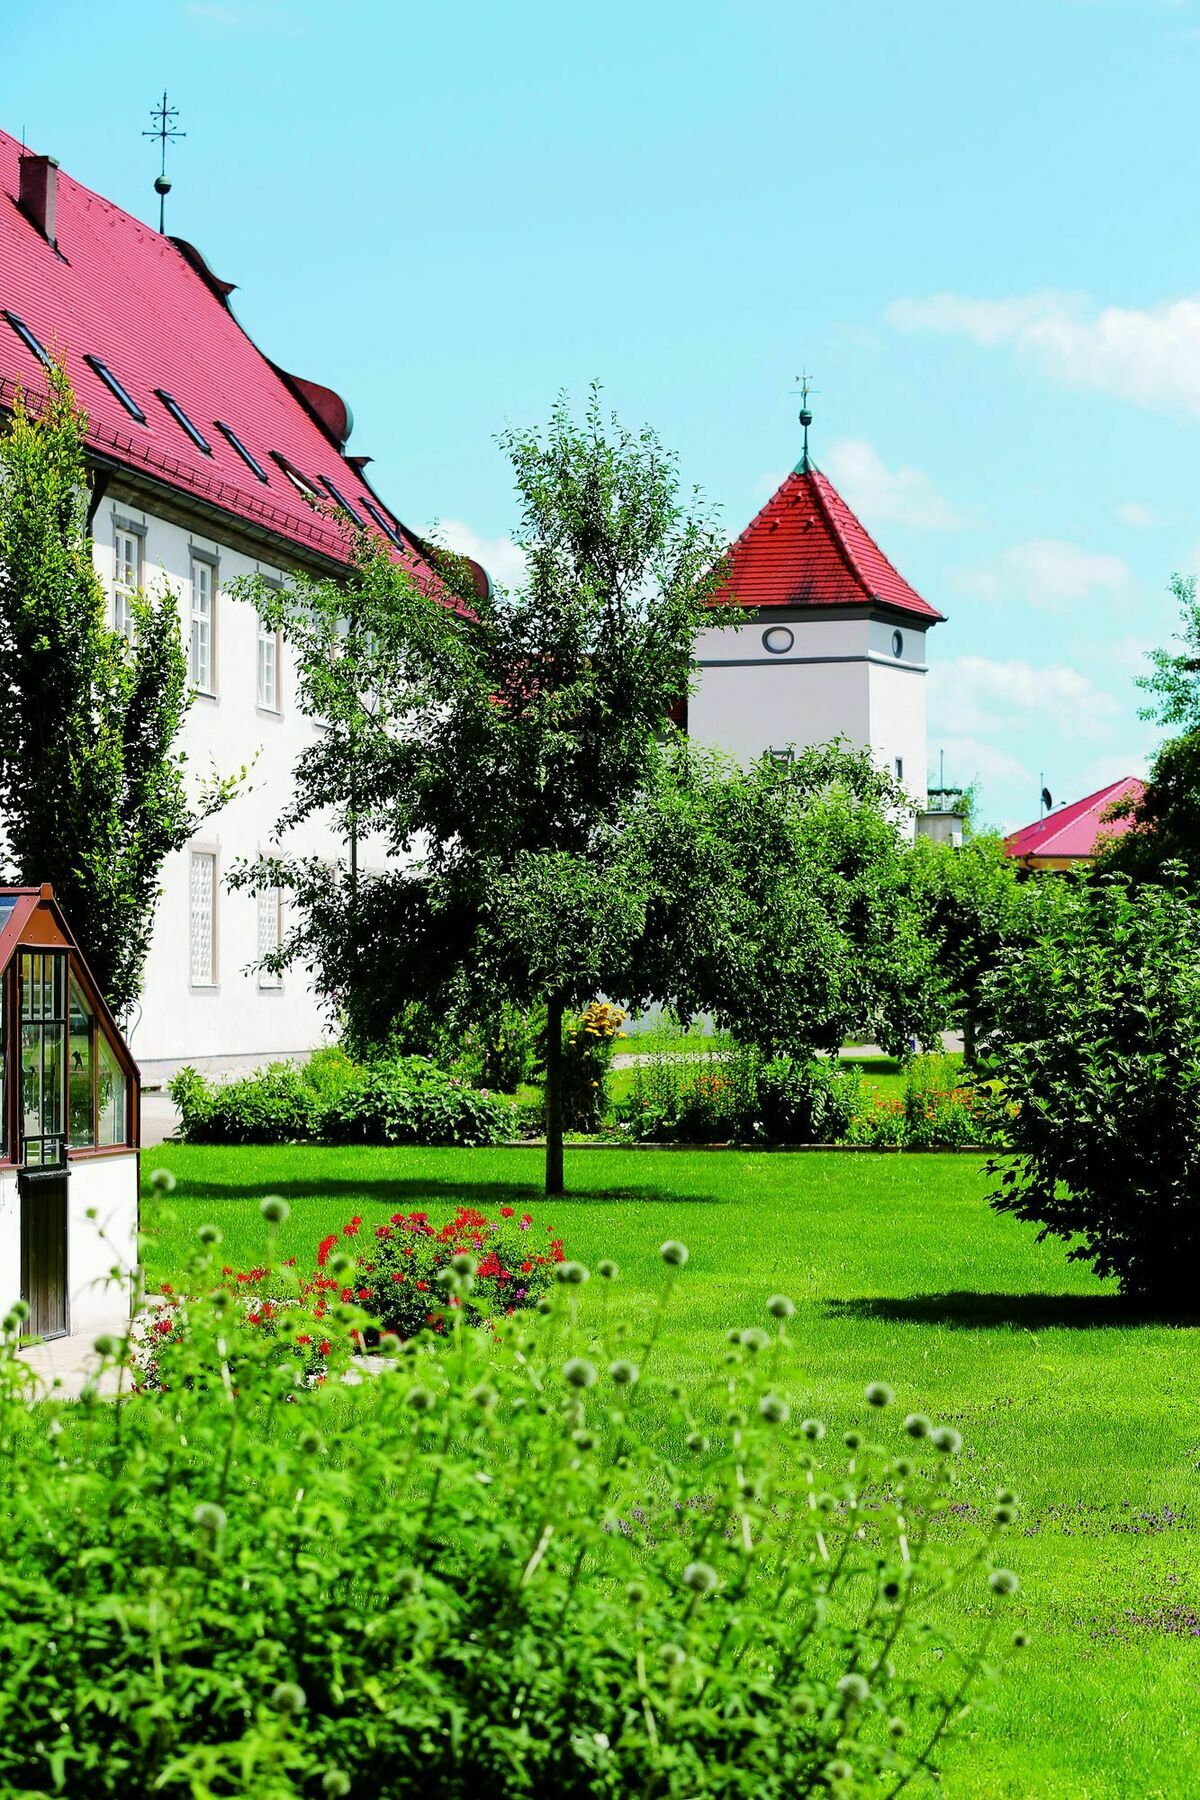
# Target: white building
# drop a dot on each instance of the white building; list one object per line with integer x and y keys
{"x": 829, "y": 641}
{"x": 207, "y": 462}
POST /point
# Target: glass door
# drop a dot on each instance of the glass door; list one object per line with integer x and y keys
{"x": 43, "y": 978}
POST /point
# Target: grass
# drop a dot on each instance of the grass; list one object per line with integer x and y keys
{"x": 900, "y": 1272}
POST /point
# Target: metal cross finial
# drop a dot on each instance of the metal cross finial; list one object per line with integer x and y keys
{"x": 806, "y": 389}
{"x": 164, "y": 130}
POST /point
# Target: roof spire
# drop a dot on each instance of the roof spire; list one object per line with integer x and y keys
{"x": 164, "y": 130}
{"x": 805, "y": 464}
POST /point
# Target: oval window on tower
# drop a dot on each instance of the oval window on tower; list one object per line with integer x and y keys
{"x": 778, "y": 640}
{"x": 897, "y": 643}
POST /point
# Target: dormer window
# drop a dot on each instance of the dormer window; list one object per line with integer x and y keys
{"x": 27, "y": 338}
{"x": 301, "y": 483}
{"x": 181, "y": 419}
{"x": 251, "y": 461}
{"x": 114, "y": 387}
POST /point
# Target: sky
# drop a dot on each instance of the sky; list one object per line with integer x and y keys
{"x": 976, "y": 225}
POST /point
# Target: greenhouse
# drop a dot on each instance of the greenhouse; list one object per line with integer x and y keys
{"x": 69, "y": 1110}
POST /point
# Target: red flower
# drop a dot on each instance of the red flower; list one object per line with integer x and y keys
{"x": 525, "y": 1267}
{"x": 506, "y": 1212}
{"x": 364, "y": 1293}
{"x": 324, "y": 1347}
{"x": 166, "y": 1287}
{"x": 422, "y": 1287}
{"x": 325, "y": 1248}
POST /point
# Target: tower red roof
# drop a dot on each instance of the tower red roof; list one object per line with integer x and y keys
{"x": 806, "y": 548}
{"x": 1076, "y": 830}
{"x": 151, "y": 310}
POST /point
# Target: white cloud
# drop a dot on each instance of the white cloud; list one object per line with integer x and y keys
{"x": 504, "y": 562}
{"x": 902, "y": 496}
{"x": 1142, "y": 518}
{"x": 1048, "y": 572}
{"x": 978, "y": 698}
{"x": 1150, "y": 356}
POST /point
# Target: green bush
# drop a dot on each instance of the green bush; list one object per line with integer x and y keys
{"x": 1094, "y": 1031}
{"x": 588, "y": 1044}
{"x": 516, "y": 1562}
{"x": 411, "y": 1101}
{"x": 275, "y": 1105}
{"x": 740, "y": 1098}
{"x": 807, "y": 1102}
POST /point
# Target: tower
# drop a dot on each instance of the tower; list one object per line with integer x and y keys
{"x": 829, "y": 638}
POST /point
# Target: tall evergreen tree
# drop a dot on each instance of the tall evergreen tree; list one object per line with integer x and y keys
{"x": 92, "y": 789}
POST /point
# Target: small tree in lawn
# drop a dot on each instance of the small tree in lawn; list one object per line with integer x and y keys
{"x": 92, "y": 792}
{"x": 497, "y": 753}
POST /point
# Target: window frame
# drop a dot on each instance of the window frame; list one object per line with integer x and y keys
{"x": 264, "y": 634}
{"x": 185, "y": 424}
{"x": 210, "y": 853}
{"x": 115, "y": 386}
{"x": 203, "y": 559}
{"x": 268, "y": 981}
{"x": 307, "y": 490}
{"x": 32, "y": 343}
{"x": 391, "y": 532}
{"x": 248, "y": 457}
{"x": 121, "y": 589}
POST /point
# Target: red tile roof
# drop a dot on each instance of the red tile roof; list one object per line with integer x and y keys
{"x": 150, "y": 309}
{"x": 1076, "y": 830}
{"x": 806, "y": 548}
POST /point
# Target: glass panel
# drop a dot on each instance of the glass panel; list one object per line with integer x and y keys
{"x": 202, "y": 885}
{"x": 79, "y": 1072}
{"x": 268, "y": 934}
{"x": 31, "y": 1080}
{"x": 110, "y": 1095}
{"x": 6, "y": 910}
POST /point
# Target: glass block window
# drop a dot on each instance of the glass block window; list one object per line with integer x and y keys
{"x": 200, "y": 657}
{"x": 203, "y": 918}
{"x": 270, "y": 934}
{"x": 268, "y": 667}
{"x": 127, "y": 577}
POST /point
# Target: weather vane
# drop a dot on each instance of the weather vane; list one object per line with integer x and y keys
{"x": 805, "y": 416}
{"x": 165, "y": 131}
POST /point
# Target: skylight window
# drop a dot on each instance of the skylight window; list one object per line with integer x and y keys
{"x": 389, "y": 531}
{"x": 114, "y": 387}
{"x": 181, "y": 419}
{"x": 251, "y": 462}
{"x": 300, "y": 482}
{"x": 27, "y": 338}
{"x": 339, "y": 497}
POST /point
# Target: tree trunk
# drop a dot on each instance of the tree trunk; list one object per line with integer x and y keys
{"x": 969, "y": 1042}
{"x": 554, "y": 1123}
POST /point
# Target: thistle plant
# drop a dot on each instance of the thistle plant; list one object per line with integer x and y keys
{"x": 522, "y": 1559}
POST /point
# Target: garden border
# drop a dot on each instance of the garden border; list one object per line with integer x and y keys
{"x": 772, "y": 1149}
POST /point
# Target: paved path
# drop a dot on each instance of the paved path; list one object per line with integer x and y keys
{"x": 160, "y": 1117}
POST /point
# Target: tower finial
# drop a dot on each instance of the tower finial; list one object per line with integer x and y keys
{"x": 806, "y": 388}
{"x": 164, "y": 130}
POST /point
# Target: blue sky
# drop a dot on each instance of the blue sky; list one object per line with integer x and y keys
{"x": 977, "y": 225}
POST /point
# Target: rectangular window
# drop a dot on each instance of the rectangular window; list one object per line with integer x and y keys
{"x": 181, "y": 419}
{"x": 201, "y": 662}
{"x": 251, "y": 461}
{"x": 203, "y": 896}
{"x": 268, "y": 667}
{"x": 270, "y": 934}
{"x": 115, "y": 387}
{"x": 81, "y": 1039}
{"x": 127, "y": 576}
{"x": 899, "y": 768}
{"x": 43, "y": 1066}
{"x": 111, "y": 1101}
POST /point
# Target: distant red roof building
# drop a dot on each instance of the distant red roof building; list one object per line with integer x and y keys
{"x": 174, "y": 389}
{"x": 806, "y": 548}
{"x": 1073, "y": 833}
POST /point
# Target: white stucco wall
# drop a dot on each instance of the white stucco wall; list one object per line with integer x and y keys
{"x": 237, "y": 1021}
{"x": 839, "y": 678}
{"x": 109, "y": 1184}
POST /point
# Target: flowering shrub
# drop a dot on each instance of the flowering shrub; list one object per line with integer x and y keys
{"x": 401, "y": 1275}
{"x": 519, "y": 1561}
{"x": 587, "y": 1052}
{"x": 275, "y": 1105}
{"x": 285, "y": 1321}
{"x": 741, "y": 1097}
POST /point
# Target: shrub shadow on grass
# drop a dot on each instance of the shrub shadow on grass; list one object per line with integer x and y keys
{"x": 432, "y": 1190}
{"x": 1021, "y": 1312}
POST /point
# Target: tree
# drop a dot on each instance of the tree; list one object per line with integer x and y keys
{"x": 1094, "y": 1029}
{"x": 779, "y": 900}
{"x": 92, "y": 792}
{"x": 497, "y": 750}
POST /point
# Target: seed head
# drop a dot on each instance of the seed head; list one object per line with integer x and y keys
{"x": 607, "y": 1268}
{"x": 106, "y": 1344}
{"x": 583, "y": 1439}
{"x": 852, "y": 1440}
{"x": 20, "y": 1308}
{"x": 265, "y": 1651}
{"x": 419, "y": 1398}
{"x": 673, "y": 1655}
{"x": 854, "y": 1689}
{"x": 311, "y": 1442}
{"x": 947, "y": 1440}
{"x": 803, "y": 1704}
{"x": 637, "y": 1593}
{"x": 838, "y": 1771}
{"x": 287, "y": 1697}
{"x": 1003, "y": 1581}
{"x": 780, "y": 1307}
{"x": 389, "y": 1344}
{"x": 701, "y": 1577}
{"x": 10, "y": 1321}
{"x": 209, "y": 1518}
{"x": 162, "y": 1181}
{"x": 335, "y": 1784}
{"x": 754, "y": 1339}
{"x": 813, "y": 1428}
{"x": 623, "y": 1372}
{"x": 775, "y": 1409}
{"x": 674, "y": 1254}
{"x": 1004, "y": 1515}
{"x": 1005, "y": 1497}
{"x": 545, "y": 1305}
{"x": 274, "y": 1209}
{"x": 1020, "y": 1640}
{"x": 579, "y": 1372}
{"x": 209, "y": 1234}
{"x": 897, "y": 1728}
{"x": 341, "y": 1262}
{"x": 408, "y": 1582}
{"x": 879, "y": 1394}
{"x": 484, "y": 1396}
{"x": 917, "y": 1425}
{"x": 573, "y": 1273}
{"x": 696, "y": 1441}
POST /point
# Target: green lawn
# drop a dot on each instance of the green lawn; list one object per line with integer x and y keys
{"x": 900, "y": 1272}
